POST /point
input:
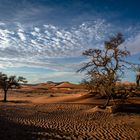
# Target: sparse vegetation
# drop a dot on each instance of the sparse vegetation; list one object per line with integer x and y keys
{"x": 10, "y": 82}
{"x": 106, "y": 67}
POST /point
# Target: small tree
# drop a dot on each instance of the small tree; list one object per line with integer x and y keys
{"x": 106, "y": 66}
{"x": 10, "y": 82}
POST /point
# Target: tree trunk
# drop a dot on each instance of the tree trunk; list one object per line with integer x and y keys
{"x": 137, "y": 82}
{"x": 5, "y": 96}
{"x": 107, "y": 102}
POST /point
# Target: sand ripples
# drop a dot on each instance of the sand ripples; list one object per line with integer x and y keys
{"x": 64, "y": 121}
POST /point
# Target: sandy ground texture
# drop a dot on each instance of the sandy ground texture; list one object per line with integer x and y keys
{"x": 67, "y": 117}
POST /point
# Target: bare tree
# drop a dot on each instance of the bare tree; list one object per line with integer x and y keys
{"x": 10, "y": 82}
{"x": 106, "y": 66}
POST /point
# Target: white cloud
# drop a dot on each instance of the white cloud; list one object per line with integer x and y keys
{"x": 37, "y": 29}
{"x": 21, "y": 35}
{"x": 32, "y": 46}
{"x": 133, "y": 44}
{"x": 2, "y": 24}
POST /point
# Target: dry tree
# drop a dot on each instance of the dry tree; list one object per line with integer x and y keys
{"x": 106, "y": 66}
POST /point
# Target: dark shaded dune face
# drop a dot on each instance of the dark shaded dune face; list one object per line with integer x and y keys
{"x": 61, "y": 121}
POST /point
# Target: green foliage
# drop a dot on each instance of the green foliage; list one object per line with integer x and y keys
{"x": 10, "y": 82}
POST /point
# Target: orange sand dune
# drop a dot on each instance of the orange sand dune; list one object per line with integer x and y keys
{"x": 69, "y": 85}
{"x": 64, "y": 98}
{"x": 62, "y": 116}
{"x": 57, "y": 120}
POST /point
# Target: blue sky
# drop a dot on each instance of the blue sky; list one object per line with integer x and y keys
{"x": 43, "y": 40}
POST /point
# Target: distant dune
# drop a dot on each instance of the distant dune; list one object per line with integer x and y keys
{"x": 64, "y": 86}
{"x": 127, "y": 83}
{"x": 54, "y": 85}
{"x": 69, "y": 85}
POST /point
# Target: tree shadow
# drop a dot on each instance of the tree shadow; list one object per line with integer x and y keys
{"x": 128, "y": 108}
{"x": 10, "y": 130}
{"x": 16, "y": 101}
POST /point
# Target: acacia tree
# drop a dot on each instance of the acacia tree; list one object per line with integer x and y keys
{"x": 106, "y": 66}
{"x": 10, "y": 82}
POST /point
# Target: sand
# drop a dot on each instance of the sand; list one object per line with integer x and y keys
{"x": 65, "y": 117}
{"x": 65, "y": 121}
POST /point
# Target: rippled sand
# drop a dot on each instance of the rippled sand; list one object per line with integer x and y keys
{"x": 67, "y": 121}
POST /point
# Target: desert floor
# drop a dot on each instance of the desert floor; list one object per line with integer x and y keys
{"x": 63, "y": 116}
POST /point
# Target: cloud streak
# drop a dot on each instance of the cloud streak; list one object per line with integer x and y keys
{"x": 133, "y": 44}
{"x": 33, "y": 46}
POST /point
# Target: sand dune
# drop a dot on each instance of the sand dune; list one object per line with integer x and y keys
{"x": 68, "y": 85}
{"x": 57, "y": 99}
{"x": 61, "y": 116}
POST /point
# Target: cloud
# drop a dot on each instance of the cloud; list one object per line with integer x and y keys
{"x": 133, "y": 44}
{"x": 37, "y": 29}
{"x": 21, "y": 36}
{"x": 33, "y": 46}
{"x": 36, "y": 46}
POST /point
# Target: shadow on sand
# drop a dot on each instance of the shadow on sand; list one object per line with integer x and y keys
{"x": 13, "y": 131}
{"x": 16, "y": 101}
{"x": 129, "y": 108}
